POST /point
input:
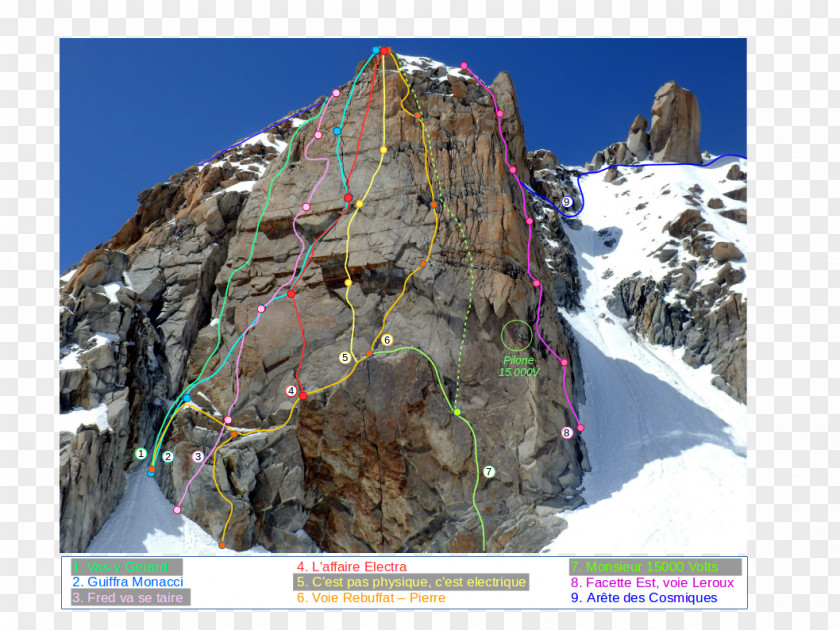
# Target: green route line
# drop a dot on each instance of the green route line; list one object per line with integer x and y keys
{"x": 227, "y": 286}
{"x": 466, "y": 245}
{"x": 456, "y": 413}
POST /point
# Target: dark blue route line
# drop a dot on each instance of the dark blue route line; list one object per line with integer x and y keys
{"x": 274, "y": 124}
{"x": 583, "y": 201}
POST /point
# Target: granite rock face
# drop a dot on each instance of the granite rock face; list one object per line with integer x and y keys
{"x": 377, "y": 461}
{"x": 675, "y": 126}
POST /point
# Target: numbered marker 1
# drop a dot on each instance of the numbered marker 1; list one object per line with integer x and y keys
{"x": 489, "y": 472}
{"x": 344, "y": 357}
{"x": 140, "y": 454}
{"x": 387, "y": 340}
{"x": 567, "y": 433}
{"x": 198, "y": 457}
{"x": 168, "y": 456}
{"x": 291, "y": 391}
{"x": 567, "y": 202}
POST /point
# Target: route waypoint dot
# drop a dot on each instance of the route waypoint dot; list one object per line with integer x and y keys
{"x": 177, "y": 509}
{"x": 457, "y": 412}
{"x": 290, "y": 293}
{"x": 348, "y": 282}
{"x": 261, "y": 308}
{"x": 233, "y": 434}
{"x": 303, "y": 395}
{"x": 529, "y": 221}
{"x": 580, "y": 428}
{"x": 150, "y": 473}
{"x": 433, "y": 204}
{"x": 512, "y": 169}
{"x": 383, "y": 150}
{"x": 221, "y": 545}
{"x": 564, "y": 362}
{"x": 417, "y": 114}
{"x": 536, "y": 283}
{"x": 306, "y": 206}
{"x": 464, "y": 65}
{"x": 369, "y": 353}
{"x": 187, "y": 398}
{"x": 228, "y": 419}
{"x": 336, "y": 92}
{"x": 348, "y": 197}
{"x": 151, "y": 469}
{"x": 359, "y": 203}
{"x": 318, "y": 134}
{"x": 500, "y": 113}
{"x": 336, "y": 130}
{"x": 385, "y": 50}
{"x": 422, "y": 263}
{"x": 375, "y": 50}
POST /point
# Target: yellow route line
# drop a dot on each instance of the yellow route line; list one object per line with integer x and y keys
{"x": 359, "y": 205}
{"x": 433, "y": 204}
{"x": 227, "y": 522}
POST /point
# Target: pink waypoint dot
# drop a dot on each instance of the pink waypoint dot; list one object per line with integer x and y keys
{"x": 512, "y": 169}
{"x": 318, "y": 134}
{"x": 564, "y": 362}
{"x": 177, "y": 509}
{"x": 336, "y": 93}
{"x": 536, "y": 283}
{"x": 306, "y": 206}
{"x": 580, "y": 428}
{"x": 261, "y": 308}
{"x": 500, "y": 113}
{"x": 529, "y": 221}
{"x": 463, "y": 65}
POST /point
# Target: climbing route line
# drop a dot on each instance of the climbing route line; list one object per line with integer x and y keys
{"x": 337, "y": 131}
{"x": 642, "y": 165}
{"x": 529, "y": 221}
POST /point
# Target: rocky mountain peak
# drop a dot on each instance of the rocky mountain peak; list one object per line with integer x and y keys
{"x": 675, "y": 126}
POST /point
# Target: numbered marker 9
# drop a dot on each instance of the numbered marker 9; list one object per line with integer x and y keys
{"x": 291, "y": 391}
{"x": 567, "y": 433}
{"x": 387, "y": 340}
{"x": 140, "y": 454}
{"x": 489, "y": 472}
{"x": 567, "y": 202}
{"x": 168, "y": 457}
{"x": 343, "y": 357}
{"x": 198, "y": 457}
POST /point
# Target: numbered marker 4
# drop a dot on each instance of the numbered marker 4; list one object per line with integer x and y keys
{"x": 291, "y": 391}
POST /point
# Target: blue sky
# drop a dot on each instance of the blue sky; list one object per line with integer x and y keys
{"x": 134, "y": 111}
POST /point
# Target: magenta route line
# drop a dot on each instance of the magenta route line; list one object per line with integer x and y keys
{"x": 563, "y": 362}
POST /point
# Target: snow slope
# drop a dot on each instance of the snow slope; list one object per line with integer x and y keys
{"x": 667, "y": 448}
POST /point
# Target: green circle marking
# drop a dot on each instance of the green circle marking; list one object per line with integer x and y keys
{"x": 503, "y": 335}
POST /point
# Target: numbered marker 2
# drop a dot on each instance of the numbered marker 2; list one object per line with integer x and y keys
{"x": 489, "y": 472}
{"x": 198, "y": 457}
{"x": 291, "y": 391}
{"x": 567, "y": 433}
{"x": 168, "y": 456}
{"x": 387, "y": 340}
{"x": 343, "y": 357}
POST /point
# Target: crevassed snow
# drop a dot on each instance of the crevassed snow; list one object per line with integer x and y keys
{"x": 71, "y": 420}
{"x": 667, "y": 448}
{"x": 143, "y": 522}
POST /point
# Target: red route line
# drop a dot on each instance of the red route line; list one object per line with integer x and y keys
{"x": 300, "y": 365}
{"x": 359, "y": 143}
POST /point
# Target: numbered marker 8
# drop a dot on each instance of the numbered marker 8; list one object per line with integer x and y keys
{"x": 387, "y": 340}
{"x": 291, "y": 391}
{"x": 567, "y": 432}
{"x": 343, "y": 357}
{"x": 198, "y": 457}
{"x": 140, "y": 453}
{"x": 567, "y": 202}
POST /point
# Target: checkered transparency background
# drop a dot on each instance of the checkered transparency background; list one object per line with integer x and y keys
{"x": 792, "y": 131}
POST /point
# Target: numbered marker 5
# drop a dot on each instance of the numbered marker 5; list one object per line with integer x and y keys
{"x": 343, "y": 357}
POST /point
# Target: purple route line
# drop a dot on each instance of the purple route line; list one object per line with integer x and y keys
{"x": 512, "y": 170}
{"x": 261, "y": 308}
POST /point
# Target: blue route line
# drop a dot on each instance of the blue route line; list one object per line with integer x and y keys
{"x": 583, "y": 201}
{"x": 341, "y": 124}
{"x": 274, "y": 124}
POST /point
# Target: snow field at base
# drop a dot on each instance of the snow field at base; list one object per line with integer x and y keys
{"x": 666, "y": 447}
{"x": 143, "y": 522}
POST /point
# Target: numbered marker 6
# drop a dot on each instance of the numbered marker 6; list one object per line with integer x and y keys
{"x": 387, "y": 340}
